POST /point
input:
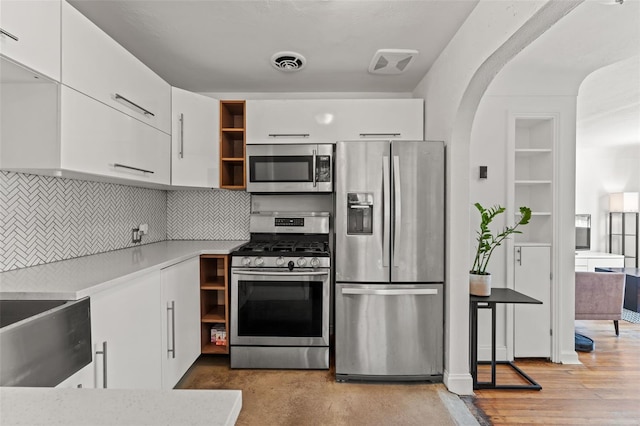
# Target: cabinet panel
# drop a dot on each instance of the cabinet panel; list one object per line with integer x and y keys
{"x": 532, "y": 323}
{"x": 95, "y": 64}
{"x": 81, "y": 379}
{"x": 180, "y": 325}
{"x": 31, "y": 34}
{"x": 330, "y": 120}
{"x": 397, "y": 119}
{"x": 125, "y": 324}
{"x": 292, "y": 121}
{"x": 194, "y": 144}
{"x": 97, "y": 139}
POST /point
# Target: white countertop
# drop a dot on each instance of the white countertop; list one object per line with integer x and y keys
{"x": 80, "y": 277}
{"x": 47, "y": 406}
{"x": 597, "y": 254}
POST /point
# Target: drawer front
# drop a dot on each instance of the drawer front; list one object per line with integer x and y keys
{"x": 96, "y": 65}
{"x": 31, "y": 34}
{"x": 98, "y": 139}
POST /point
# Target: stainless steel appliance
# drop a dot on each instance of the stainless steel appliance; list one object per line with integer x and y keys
{"x": 389, "y": 253}
{"x": 42, "y": 342}
{"x": 280, "y": 293}
{"x": 290, "y": 168}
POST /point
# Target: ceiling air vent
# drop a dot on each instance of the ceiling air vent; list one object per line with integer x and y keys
{"x": 288, "y": 61}
{"x": 391, "y": 61}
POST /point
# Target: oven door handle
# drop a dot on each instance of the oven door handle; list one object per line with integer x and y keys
{"x": 281, "y": 274}
{"x": 390, "y": 292}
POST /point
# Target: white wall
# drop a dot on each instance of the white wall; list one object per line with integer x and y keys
{"x": 491, "y": 36}
{"x": 600, "y": 171}
{"x": 490, "y": 147}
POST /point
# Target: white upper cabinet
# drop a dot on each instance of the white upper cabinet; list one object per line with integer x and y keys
{"x": 99, "y": 140}
{"x": 195, "y": 148}
{"x": 330, "y": 120}
{"x": 96, "y": 65}
{"x": 393, "y": 119}
{"x": 291, "y": 121}
{"x": 30, "y": 34}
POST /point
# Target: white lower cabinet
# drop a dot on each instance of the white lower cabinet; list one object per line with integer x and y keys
{"x": 83, "y": 378}
{"x": 180, "y": 319}
{"x": 125, "y": 328}
{"x": 532, "y": 323}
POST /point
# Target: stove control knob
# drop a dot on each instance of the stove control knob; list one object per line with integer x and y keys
{"x": 315, "y": 262}
{"x": 259, "y": 261}
{"x": 302, "y": 261}
{"x": 280, "y": 261}
{"x": 246, "y": 261}
{"x": 290, "y": 265}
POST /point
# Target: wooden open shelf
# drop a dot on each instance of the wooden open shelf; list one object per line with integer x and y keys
{"x": 232, "y": 144}
{"x": 214, "y": 300}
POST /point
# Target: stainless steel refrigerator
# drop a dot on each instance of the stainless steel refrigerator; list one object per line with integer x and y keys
{"x": 389, "y": 260}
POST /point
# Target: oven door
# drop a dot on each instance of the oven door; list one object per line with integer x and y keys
{"x": 289, "y": 168}
{"x": 278, "y": 307}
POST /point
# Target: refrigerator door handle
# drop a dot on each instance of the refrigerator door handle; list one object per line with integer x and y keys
{"x": 398, "y": 208}
{"x": 386, "y": 194}
{"x": 391, "y": 292}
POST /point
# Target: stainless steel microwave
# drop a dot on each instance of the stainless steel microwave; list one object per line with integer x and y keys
{"x": 290, "y": 168}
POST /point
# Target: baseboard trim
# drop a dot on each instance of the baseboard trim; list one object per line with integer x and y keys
{"x": 460, "y": 384}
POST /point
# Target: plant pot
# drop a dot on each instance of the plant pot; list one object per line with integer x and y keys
{"x": 479, "y": 284}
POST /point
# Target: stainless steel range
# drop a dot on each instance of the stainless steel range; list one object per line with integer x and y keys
{"x": 280, "y": 293}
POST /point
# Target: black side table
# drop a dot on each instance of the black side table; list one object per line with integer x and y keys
{"x": 498, "y": 295}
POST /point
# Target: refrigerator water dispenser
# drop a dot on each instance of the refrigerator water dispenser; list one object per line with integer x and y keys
{"x": 359, "y": 213}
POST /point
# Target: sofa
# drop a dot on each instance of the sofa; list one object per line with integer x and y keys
{"x": 599, "y": 296}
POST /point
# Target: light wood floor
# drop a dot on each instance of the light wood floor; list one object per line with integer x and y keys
{"x": 604, "y": 390}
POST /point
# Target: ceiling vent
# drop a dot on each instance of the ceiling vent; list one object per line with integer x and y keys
{"x": 288, "y": 61}
{"x": 391, "y": 61}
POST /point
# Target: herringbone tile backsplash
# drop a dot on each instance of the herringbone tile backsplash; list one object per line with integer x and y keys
{"x": 208, "y": 215}
{"x": 45, "y": 219}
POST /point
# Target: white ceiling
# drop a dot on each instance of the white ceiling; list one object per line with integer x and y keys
{"x": 226, "y": 46}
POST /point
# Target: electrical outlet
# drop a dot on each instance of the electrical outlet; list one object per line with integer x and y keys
{"x": 136, "y": 235}
{"x": 144, "y": 229}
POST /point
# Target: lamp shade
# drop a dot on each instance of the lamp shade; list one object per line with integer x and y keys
{"x": 624, "y": 202}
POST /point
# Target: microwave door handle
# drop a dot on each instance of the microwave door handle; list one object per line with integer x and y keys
{"x": 386, "y": 202}
{"x": 314, "y": 170}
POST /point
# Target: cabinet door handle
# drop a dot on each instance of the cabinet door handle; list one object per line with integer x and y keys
{"x": 132, "y": 168}
{"x": 172, "y": 309}
{"x": 134, "y": 105}
{"x": 8, "y": 34}
{"x": 519, "y": 255}
{"x": 378, "y": 135}
{"x": 289, "y": 135}
{"x": 181, "y": 153}
{"x": 103, "y": 352}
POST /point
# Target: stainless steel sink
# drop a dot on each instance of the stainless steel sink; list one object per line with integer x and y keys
{"x": 42, "y": 342}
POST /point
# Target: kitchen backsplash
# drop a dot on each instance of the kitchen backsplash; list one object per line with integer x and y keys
{"x": 45, "y": 219}
{"x": 208, "y": 215}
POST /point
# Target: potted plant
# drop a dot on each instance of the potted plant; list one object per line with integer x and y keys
{"x": 479, "y": 278}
